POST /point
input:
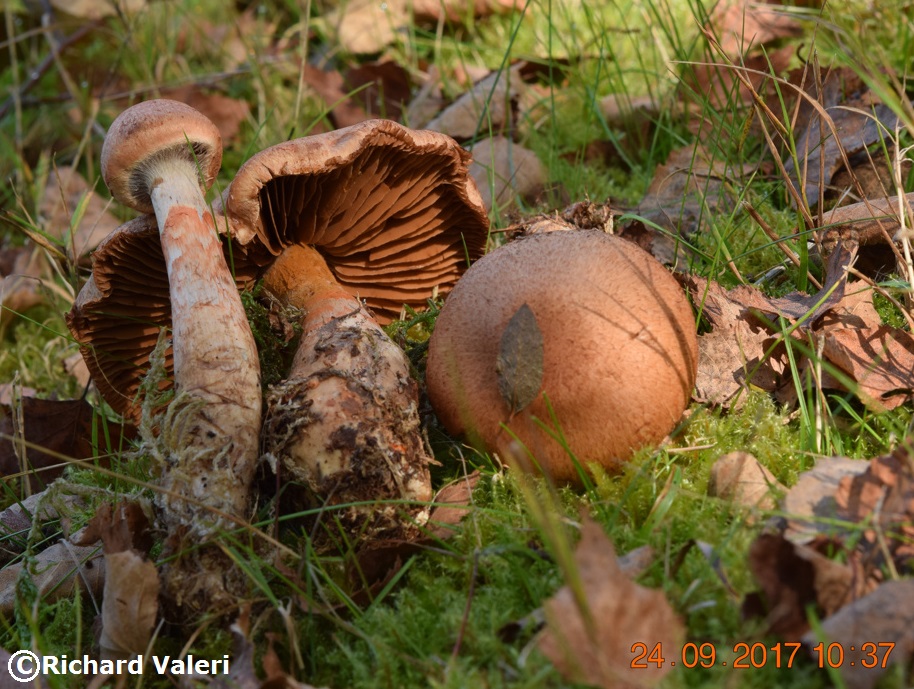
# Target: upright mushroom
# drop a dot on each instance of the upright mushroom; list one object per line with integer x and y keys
{"x": 373, "y": 212}
{"x": 157, "y": 158}
{"x": 561, "y": 346}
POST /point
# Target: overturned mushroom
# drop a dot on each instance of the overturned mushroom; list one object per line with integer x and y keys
{"x": 373, "y": 212}
{"x": 155, "y": 158}
{"x": 570, "y": 344}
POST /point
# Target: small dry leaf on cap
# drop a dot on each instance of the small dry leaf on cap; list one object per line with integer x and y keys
{"x": 589, "y": 638}
{"x": 881, "y": 622}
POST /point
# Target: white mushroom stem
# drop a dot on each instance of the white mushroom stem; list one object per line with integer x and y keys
{"x": 346, "y": 421}
{"x": 213, "y": 441}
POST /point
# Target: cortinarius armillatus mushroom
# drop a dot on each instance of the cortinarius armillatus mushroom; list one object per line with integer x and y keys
{"x": 375, "y": 212}
{"x": 156, "y": 158}
{"x": 563, "y": 343}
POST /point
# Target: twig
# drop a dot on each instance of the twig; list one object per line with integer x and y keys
{"x": 778, "y": 241}
{"x": 42, "y": 68}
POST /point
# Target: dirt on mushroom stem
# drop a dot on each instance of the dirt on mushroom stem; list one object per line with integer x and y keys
{"x": 345, "y": 423}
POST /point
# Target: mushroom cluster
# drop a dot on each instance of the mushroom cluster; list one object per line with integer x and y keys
{"x": 364, "y": 219}
{"x": 563, "y": 349}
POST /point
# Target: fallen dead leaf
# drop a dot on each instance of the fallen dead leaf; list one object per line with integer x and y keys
{"x": 589, "y": 638}
{"x": 743, "y": 347}
{"x": 824, "y": 145}
{"x": 883, "y": 497}
{"x": 18, "y": 521}
{"x": 451, "y": 505}
{"x": 504, "y": 172}
{"x": 871, "y": 221}
{"x": 55, "y": 573}
{"x": 94, "y": 10}
{"x": 794, "y": 579}
{"x": 487, "y": 108}
{"x": 880, "y": 623}
{"x": 130, "y": 600}
{"x": 743, "y": 480}
{"x": 810, "y": 504}
{"x": 75, "y": 366}
{"x": 69, "y": 199}
{"x": 364, "y": 26}
{"x": 689, "y": 186}
{"x": 228, "y": 114}
{"x": 21, "y": 271}
{"x": 880, "y": 362}
{"x": 61, "y": 428}
{"x": 743, "y": 25}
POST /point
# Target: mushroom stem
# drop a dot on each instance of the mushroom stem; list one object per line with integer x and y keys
{"x": 214, "y": 448}
{"x": 346, "y": 421}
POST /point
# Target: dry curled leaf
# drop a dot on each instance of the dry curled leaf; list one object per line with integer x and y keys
{"x": 880, "y": 623}
{"x": 55, "y": 572}
{"x": 810, "y": 504}
{"x": 589, "y": 637}
{"x": 57, "y": 431}
{"x": 21, "y": 271}
{"x": 880, "y": 362}
{"x": 742, "y": 479}
{"x": 505, "y": 171}
{"x": 795, "y": 579}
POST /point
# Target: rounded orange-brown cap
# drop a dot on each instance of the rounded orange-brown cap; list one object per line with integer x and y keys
{"x": 580, "y": 332}
{"x": 147, "y": 133}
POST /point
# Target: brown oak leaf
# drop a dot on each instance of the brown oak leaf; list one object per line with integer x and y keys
{"x": 589, "y": 636}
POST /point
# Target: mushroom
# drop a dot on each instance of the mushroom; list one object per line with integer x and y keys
{"x": 372, "y": 212}
{"x": 563, "y": 349}
{"x": 157, "y": 157}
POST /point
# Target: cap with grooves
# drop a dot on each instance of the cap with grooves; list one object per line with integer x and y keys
{"x": 392, "y": 210}
{"x": 153, "y": 131}
{"x": 611, "y": 336}
{"x": 120, "y": 311}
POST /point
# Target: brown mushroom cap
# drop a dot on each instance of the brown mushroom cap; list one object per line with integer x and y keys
{"x": 619, "y": 350}
{"x": 120, "y": 311}
{"x": 150, "y": 132}
{"x": 393, "y": 211}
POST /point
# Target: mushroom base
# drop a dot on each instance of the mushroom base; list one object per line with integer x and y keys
{"x": 346, "y": 426}
{"x": 199, "y": 581}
